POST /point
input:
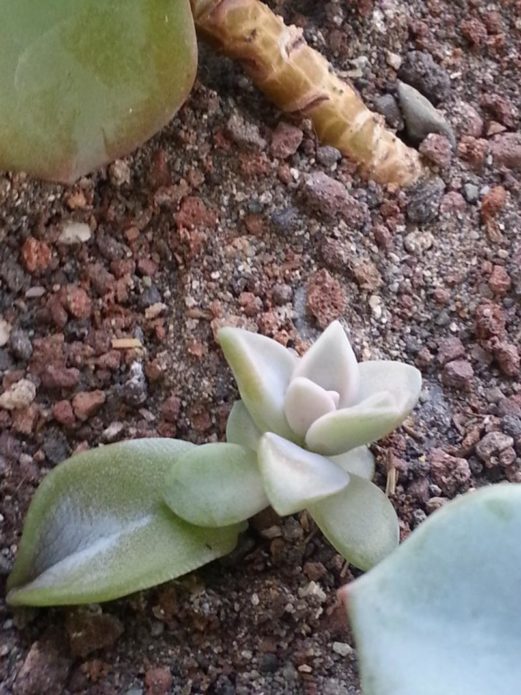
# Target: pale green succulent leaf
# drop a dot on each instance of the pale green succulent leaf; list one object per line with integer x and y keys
{"x": 363, "y": 423}
{"x": 441, "y": 614}
{"x": 86, "y": 81}
{"x": 293, "y": 477}
{"x": 359, "y": 461}
{"x": 402, "y": 380}
{"x": 331, "y": 363}
{"x": 360, "y": 522}
{"x": 97, "y": 528}
{"x": 305, "y": 402}
{"x": 262, "y": 369}
{"x": 240, "y": 428}
{"x": 215, "y": 485}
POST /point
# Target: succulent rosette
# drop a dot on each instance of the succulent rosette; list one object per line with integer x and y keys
{"x": 298, "y": 439}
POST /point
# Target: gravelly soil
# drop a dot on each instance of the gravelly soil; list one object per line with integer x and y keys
{"x": 227, "y": 217}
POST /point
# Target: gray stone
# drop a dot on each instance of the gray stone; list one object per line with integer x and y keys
{"x": 421, "y": 117}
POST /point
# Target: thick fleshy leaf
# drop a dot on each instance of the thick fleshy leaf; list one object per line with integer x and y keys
{"x": 401, "y": 380}
{"x": 363, "y": 423}
{"x": 97, "y": 528}
{"x": 293, "y": 477}
{"x": 359, "y": 522}
{"x": 262, "y": 369}
{"x": 215, "y": 485}
{"x": 441, "y": 614}
{"x": 305, "y": 402}
{"x": 359, "y": 461}
{"x": 240, "y": 428}
{"x": 84, "y": 82}
{"x": 331, "y": 363}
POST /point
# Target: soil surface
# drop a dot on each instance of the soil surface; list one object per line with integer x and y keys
{"x": 235, "y": 214}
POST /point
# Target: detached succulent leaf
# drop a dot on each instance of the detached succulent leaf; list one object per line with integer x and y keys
{"x": 348, "y": 428}
{"x": 240, "y": 428}
{"x": 215, "y": 485}
{"x": 262, "y": 369}
{"x": 359, "y": 461}
{"x": 359, "y": 522}
{"x": 293, "y": 477}
{"x": 331, "y": 363}
{"x": 441, "y": 614}
{"x": 84, "y": 82}
{"x": 97, "y": 528}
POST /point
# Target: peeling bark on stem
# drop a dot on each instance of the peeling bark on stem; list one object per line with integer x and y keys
{"x": 300, "y": 81}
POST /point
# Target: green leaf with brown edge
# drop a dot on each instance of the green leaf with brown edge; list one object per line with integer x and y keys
{"x": 97, "y": 528}
{"x": 85, "y": 82}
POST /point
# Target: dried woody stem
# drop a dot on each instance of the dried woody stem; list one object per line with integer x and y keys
{"x": 300, "y": 81}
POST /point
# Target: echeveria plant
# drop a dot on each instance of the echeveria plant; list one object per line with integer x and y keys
{"x": 441, "y": 614}
{"x": 124, "y": 517}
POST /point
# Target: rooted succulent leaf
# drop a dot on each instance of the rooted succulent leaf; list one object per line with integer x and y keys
{"x": 97, "y": 528}
{"x": 293, "y": 477}
{"x": 262, "y": 369}
{"x": 84, "y": 82}
{"x": 359, "y": 461}
{"x": 398, "y": 378}
{"x": 359, "y": 522}
{"x": 441, "y": 614}
{"x": 215, "y": 485}
{"x": 305, "y": 402}
{"x": 240, "y": 428}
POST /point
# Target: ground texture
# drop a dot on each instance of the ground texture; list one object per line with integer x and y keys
{"x": 234, "y": 214}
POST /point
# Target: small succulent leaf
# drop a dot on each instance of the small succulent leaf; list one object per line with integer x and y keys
{"x": 398, "y": 378}
{"x": 240, "y": 428}
{"x": 262, "y": 369}
{"x": 359, "y": 461}
{"x": 84, "y": 82}
{"x": 331, "y": 363}
{"x": 348, "y": 428}
{"x": 293, "y": 477}
{"x": 441, "y": 614}
{"x": 305, "y": 402}
{"x": 215, "y": 485}
{"x": 97, "y": 528}
{"x": 359, "y": 522}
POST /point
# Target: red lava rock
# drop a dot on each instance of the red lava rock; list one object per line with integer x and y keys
{"x": 251, "y": 305}
{"x": 63, "y": 413}
{"x": 326, "y": 300}
{"x": 499, "y": 281}
{"x": 490, "y": 321}
{"x": 88, "y": 631}
{"x": 77, "y": 302}
{"x": 87, "y": 403}
{"x": 506, "y": 355}
{"x": 45, "y": 670}
{"x": 194, "y": 214}
{"x": 501, "y": 109}
{"x": 506, "y": 150}
{"x": 147, "y": 267}
{"x": 492, "y": 446}
{"x": 493, "y": 202}
{"x": 171, "y": 408}
{"x": 474, "y": 151}
{"x": 474, "y": 31}
{"x": 450, "y": 474}
{"x": 458, "y": 374}
{"x": 450, "y": 349}
{"x": 441, "y": 295}
{"x": 158, "y": 680}
{"x": 437, "y": 149}
{"x": 286, "y": 140}
{"x": 452, "y": 202}
{"x": 24, "y": 419}
{"x": 383, "y": 236}
{"x": 330, "y": 197}
{"x": 59, "y": 377}
{"x": 36, "y": 255}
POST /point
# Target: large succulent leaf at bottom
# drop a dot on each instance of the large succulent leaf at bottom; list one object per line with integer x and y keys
{"x": 293, "y": 477}
{"x": 97, "y": 528}
{"x": 215, "y": 485}
{"x": 240, "y": 428}
{"x": 359, "y": 522}
{"x": 84, "y": 82}
{"x": 441, "y": 614}
{"x": 262, "y": 369}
